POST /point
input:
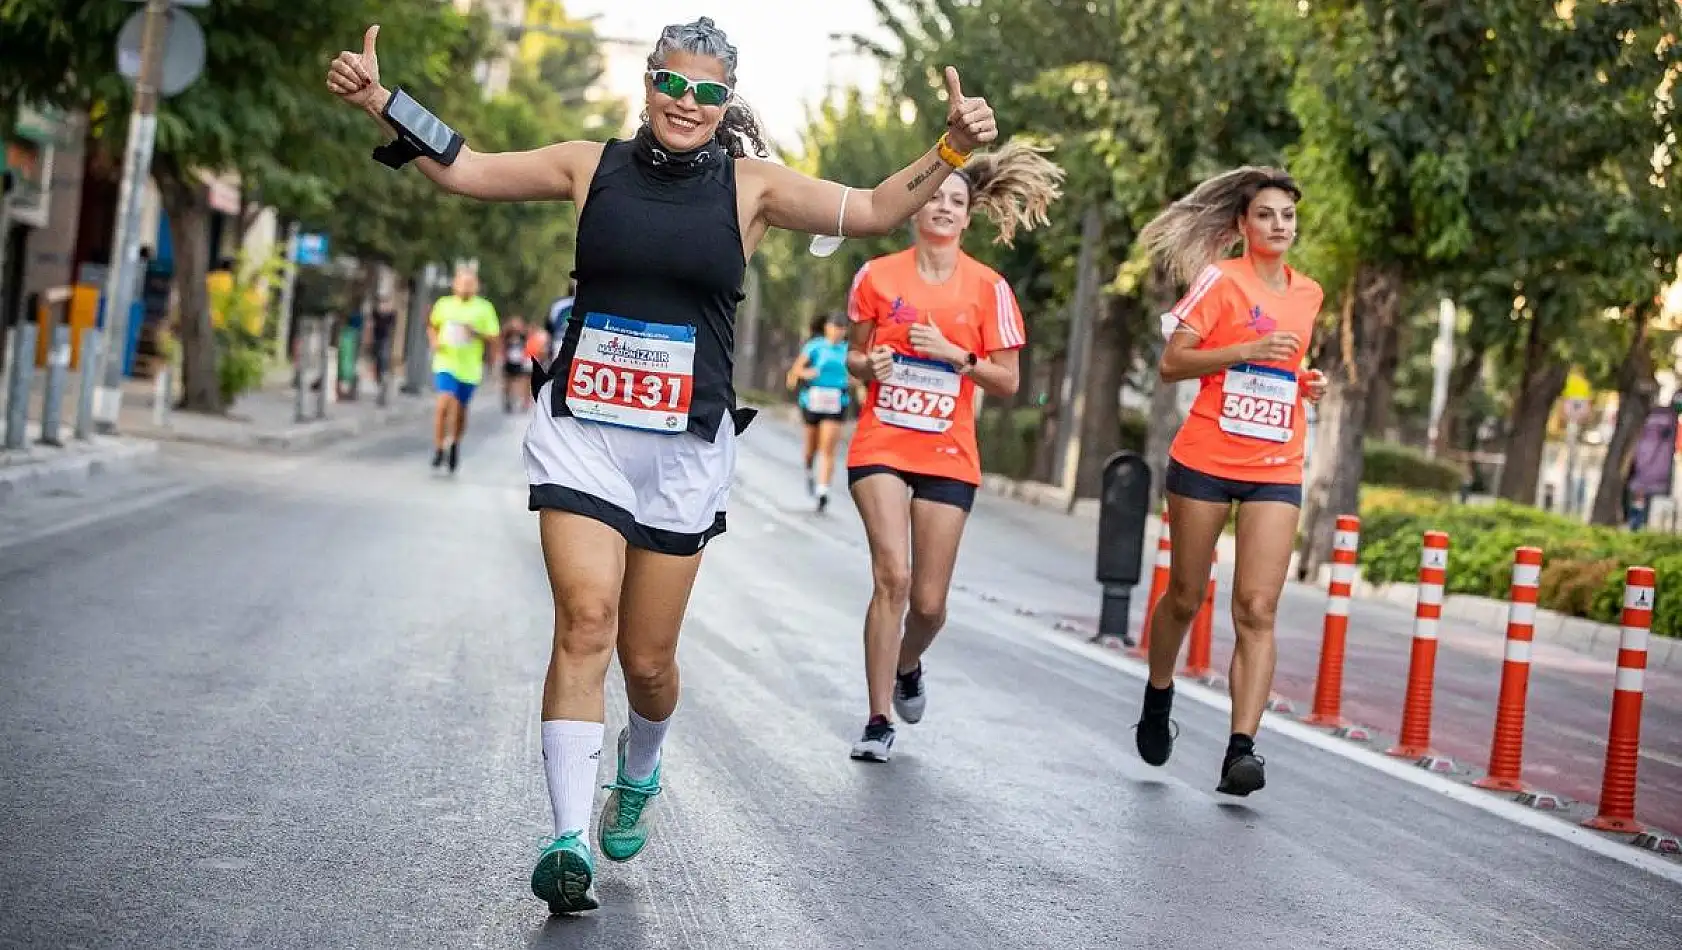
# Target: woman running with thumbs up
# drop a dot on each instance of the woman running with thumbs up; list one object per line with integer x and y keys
{"x": 631, "y": 450}
{"x": 932, "y": 327}
{"x": 1241, "y": 331}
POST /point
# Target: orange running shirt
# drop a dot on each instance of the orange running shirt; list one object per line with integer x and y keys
{"x": 923, "y": 419}
{"x": 1247, "y": 421}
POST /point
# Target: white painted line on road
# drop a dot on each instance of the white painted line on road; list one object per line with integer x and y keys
{"x": 1404, "y": 770}
{"x": 128, "y": 506}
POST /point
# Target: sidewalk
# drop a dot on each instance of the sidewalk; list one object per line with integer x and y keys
{"x": 264, "y": 419}
{"x": 267, "y": 418}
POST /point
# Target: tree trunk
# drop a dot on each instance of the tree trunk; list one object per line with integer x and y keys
{"x": 1044, "y": 467}
{"x": 189, "y": 211}
{"x": 1165, "y": 417}
{"x": 1370, "y": 310}
{"x": 1111, "y": 357}
{"x": 1380, "y": 408}
{"x": 1465, "y": 374}
{"x": 1544, "y": 379}
{"x": 1636, "y": 389}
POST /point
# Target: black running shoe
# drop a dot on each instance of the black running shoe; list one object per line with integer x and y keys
{"x": 1154, "y": 734}
{"x": 437, "y": 457}
{"x": 455, "y": 456}
{"x": 1242, "y": 774}
{"x": 823, "y": 503}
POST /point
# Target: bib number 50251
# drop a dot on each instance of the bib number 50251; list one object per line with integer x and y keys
{"x": 1259, "y": 402}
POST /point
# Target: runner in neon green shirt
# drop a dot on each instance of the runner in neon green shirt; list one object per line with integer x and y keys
{"x": 460, "y": 326}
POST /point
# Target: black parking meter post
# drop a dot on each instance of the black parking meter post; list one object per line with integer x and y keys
{"x": 1122, "y": 512}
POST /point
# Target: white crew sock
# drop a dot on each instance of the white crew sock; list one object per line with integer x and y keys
{"x": 572, "y": 753}
{"x": 823, "y": 491}
{"x": 642, "y": 748}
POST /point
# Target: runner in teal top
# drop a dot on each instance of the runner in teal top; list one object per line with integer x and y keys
{"x": 825, "y": 392}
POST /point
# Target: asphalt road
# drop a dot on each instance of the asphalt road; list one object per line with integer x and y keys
{"x": 250, "y": 702}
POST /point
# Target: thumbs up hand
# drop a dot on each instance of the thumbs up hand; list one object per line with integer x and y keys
{"x": 355, "y": 77}
{"x": 969, "y": 122}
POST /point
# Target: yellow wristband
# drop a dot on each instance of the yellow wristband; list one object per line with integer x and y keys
{"x": 950, "y": 155}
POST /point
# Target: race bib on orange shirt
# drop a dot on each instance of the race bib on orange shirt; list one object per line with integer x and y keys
{"x": 919, "y": 394}
{"x": 1259, "y": 402}
{"x": 633, "y": 374}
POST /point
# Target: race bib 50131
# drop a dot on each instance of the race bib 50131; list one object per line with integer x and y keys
{"x": 919, "y": 394}
{"x": 631, "y": 373}
{"x": 1259, "y": 402}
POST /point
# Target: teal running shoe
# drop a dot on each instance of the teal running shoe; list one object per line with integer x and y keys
{"x": 623, "y": 831}
{"x": 563, "y": 875}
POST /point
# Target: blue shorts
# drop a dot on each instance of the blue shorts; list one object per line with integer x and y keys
{"x": 1192, "y": 484}
{"x": 451, "y": 386}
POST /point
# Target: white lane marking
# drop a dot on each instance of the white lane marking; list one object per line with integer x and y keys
{"x": 1406, "y": 771}
{"x": 104, "y": 513}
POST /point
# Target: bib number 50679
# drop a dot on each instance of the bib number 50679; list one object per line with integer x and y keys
{"x": 915, "y": 401}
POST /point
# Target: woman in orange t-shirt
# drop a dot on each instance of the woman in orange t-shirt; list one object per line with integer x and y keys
{"x": 932, "y": 327}
{"x": 1242, "y": 331}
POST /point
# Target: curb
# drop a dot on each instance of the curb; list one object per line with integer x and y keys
{"x": 298, "y": 437}
{"x": 1590, "y": 637}
{"x": 102, "y": 456}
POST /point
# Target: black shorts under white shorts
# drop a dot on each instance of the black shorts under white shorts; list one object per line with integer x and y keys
{"x": 1195, "y": 485}
{"x": 935, "y": 488}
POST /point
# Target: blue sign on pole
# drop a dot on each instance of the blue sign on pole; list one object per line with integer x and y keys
{"x": 312, "y": 249}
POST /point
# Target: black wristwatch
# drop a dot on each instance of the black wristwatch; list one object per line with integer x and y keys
{"x": 968, "y": 365}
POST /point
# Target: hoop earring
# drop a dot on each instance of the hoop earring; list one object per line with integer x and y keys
{"x": 644, "y": 115}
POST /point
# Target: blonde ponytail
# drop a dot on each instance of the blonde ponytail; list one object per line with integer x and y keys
{"x": 1013, "y": 186}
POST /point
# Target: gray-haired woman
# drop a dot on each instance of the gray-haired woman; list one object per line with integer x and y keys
{"x": 631, "y": 450}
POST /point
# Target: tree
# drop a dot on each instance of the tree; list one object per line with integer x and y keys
{"x": 1420, "y": 125}
{"x": 1139, "y": 100}
{"x": 258, "y": 96}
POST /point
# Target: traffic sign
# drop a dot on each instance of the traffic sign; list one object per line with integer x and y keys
{"x": 312, "y": 249}
{"x": 183, "y": 50}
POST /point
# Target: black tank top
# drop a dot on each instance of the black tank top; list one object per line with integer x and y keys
{"x": 659, "y": 241}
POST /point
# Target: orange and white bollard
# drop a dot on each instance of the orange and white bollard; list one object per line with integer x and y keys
{"x": 1415, "y": 741}
{"x": 1623, "y": 744}
{"x": 1506, "y": 749}
{"x": 1328, "y": 684}
{"x": 1200, "y": 655}
{"x": 1159, "y": 586}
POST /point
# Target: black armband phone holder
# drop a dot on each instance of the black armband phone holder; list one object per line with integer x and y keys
{"x": 419, "y": 134}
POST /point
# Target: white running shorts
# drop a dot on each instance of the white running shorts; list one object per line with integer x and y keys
{"x": 662, "y": 492}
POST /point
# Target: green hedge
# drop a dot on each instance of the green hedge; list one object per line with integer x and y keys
{"x": 1582, "y": 566}
{"x": 1402, "y": 467}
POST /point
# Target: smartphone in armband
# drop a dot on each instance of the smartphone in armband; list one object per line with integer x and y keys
{"x": 421, "y": 132}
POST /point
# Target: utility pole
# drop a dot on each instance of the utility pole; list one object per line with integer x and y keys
{"x": 137, "y": 168}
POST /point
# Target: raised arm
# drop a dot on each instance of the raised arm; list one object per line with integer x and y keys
{"x": 799, "y": 202}
{"x": 543, "y": 174}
